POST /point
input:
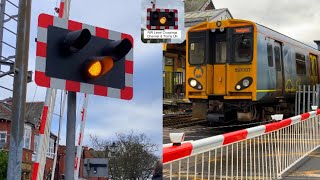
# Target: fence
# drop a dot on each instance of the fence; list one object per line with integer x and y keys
{"x": 261, "y": 152}
{"x": 306, "y": 96}
{"x": 173, "y": 84}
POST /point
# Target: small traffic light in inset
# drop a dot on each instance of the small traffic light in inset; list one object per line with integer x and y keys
{"x": 77, "y": 57}
{"x": 160, "y": 19}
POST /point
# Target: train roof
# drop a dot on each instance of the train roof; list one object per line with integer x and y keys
{"x": 264, "y": 29}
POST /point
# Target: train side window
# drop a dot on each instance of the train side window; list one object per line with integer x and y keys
{"x": 270, "y": 55}
{"x": 300, "y": 64}
{"x": 277, "y": 58}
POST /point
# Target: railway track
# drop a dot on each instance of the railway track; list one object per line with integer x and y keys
{"x": 198, "y": 128}
{"x": 181, "y": 120}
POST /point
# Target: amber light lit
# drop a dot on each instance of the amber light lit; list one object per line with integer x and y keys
{"x": 95, "y": 69}
{"x": 99, "y": 67}
{"x": 163, "y": 20}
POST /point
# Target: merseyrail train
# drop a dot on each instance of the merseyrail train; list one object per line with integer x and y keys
{"x": 241, "y": 70}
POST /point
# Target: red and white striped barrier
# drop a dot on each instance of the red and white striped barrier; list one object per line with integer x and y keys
{"x": 193, "y": 148}
{"x": 45, "y": 124}
{"x": 61, "y": 8}
{"x": 80, "y": 138}
{"x": 44, "y": 135}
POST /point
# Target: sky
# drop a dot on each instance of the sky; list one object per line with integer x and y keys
{"x": 107, "y": 116}
{"x": 297, "y": 19}
{"x": 143, "y": 114}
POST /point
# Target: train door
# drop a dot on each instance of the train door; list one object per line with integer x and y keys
{"x": 313, "y": 69}
{"x": 279, "y": 68}
{"x": 219, "y": 67}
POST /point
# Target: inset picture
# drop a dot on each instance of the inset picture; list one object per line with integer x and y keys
{"x": 162, "y": 21}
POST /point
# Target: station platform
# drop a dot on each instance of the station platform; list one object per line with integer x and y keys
{"x": 307, "y": 168}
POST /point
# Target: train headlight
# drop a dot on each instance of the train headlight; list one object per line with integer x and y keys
{"x": 245, "y": 83}
{"x": 193, "y": 83}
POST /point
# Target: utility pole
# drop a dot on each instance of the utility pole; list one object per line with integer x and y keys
{"x": 19, "y": 91}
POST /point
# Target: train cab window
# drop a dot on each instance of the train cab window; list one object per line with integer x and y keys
{"x": 221, "y": 52}
{"x": 243, "y": 49}
{"x": 270, "y": 55}
{"x": 197, "y": 47}
{"x": 277, "y": 58}
{"x": 300, "y": 64}
{"x": 197, "y": 53}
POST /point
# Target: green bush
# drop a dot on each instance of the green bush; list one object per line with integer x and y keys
{"x": 3, "y": 164}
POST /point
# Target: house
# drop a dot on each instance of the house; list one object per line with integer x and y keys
{"x": 31, "y": 135}
{"x": 174, "y": 55}
{"x": 60, "y": 167}
{"x": 197, "y": 5}
{"x": 31, "y": 141}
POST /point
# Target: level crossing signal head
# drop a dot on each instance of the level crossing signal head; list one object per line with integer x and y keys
{"x": 160, "y": 19}
{"x": 82, "y": 58}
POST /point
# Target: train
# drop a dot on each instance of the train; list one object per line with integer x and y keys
{"x": 239, "y": 70}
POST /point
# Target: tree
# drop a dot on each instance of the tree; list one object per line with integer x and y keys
{"x": 3, "y": 164}
{"x": 133, "y": 158}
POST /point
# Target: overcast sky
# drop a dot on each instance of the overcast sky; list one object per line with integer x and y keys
{"x": 107, "y": 116}
{"x": 298, "y": 19}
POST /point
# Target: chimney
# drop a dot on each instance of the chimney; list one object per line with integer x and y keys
{"x": 318, "y": 43}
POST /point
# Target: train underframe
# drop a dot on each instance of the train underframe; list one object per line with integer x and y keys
{"x": 217, "y": 110}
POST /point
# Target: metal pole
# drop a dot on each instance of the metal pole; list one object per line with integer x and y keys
{"x": 296, "y": 104}
{"x": 71, "y": 135}
{"x": 299, "y": 99}
{"x": 304, "y": 99}
{"x": 59, "y": 132}
{"x": 19, "y": 91}
{"x": 317, "y": 95}
{"x": 2, "y": 11}
{"x": 308, "y": 100}
{"x": 71, "y": 119}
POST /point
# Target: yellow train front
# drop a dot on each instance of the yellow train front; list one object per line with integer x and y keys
{"x": 240, "y": 70}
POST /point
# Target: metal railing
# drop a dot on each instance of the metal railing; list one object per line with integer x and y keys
{"x": 261, "y": 152}
{"x": 306, "y": 96}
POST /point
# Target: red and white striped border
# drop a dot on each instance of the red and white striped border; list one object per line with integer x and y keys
{"x": 41, "y": 79}
{"x": 188, "y": 149}
{"x": 149, "y": 10}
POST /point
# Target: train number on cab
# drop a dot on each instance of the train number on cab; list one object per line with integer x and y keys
{"x": 242, "y": 69}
